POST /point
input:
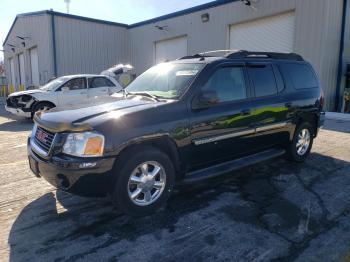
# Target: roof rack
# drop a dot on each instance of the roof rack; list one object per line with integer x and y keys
{"x": 272, "y": 55}
{"x": 209, "y": 54}
{"x": 232, "y": 54}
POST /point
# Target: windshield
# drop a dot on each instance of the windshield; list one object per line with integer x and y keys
{"x": 166, "y": 80}
{"x": 52, "y": 85}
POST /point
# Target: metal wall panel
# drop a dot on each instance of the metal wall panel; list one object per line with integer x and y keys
{"x": 317, "y": 33}
{"x": 88, "y": 47}
{"x": 38, "y": 32}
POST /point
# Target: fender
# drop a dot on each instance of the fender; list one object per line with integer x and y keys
{"x": 162, "y": 141}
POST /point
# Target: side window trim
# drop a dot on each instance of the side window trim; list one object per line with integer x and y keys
{"x": 246, "y": 82}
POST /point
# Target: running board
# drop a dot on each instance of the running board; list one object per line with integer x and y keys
{"x": 230, "y": 166}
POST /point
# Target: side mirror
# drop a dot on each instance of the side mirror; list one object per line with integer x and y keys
{"x": 65, "y": 88}
{"x": 205, "y": 99}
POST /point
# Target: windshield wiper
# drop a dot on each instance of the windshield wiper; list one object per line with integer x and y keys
{"x": 146, "y": 94}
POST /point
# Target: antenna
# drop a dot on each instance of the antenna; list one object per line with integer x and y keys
{"x": 67, "y": 5}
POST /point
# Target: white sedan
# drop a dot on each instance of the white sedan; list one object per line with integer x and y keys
{"x": 65, "y": 90}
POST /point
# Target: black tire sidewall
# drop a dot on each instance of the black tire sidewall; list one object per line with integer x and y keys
{"x": 293, "y": 154}
{"x": 36, "y": 107}
{"x": 122, "y": 171}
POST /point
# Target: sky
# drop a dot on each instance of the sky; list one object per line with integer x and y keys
{"x": 122, "y": 11}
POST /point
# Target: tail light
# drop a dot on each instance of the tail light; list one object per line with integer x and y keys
{"x": 322, "y": 99}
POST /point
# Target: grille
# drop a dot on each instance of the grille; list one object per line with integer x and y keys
{"x": 44, "y": 138}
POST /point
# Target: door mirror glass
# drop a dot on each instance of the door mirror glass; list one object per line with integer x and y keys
{"x": 205, "y": 99}
{"x": 65, "y": 88}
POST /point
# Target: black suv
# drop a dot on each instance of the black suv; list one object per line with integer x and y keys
{"x": 194, "y": 118}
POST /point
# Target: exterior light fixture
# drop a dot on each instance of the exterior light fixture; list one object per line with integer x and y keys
{"x": 205, "y": 18}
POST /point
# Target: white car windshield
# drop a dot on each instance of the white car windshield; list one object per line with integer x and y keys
{"x": 165, "y": 80}
{"x": 54, "y": 84}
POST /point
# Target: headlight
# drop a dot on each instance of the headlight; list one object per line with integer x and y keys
{"x": 87, "y": 144}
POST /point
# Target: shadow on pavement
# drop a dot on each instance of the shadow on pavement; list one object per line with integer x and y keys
{"x": 268, "y": 211}
{"x": 337, "y": 125}
{"x": 14, "y": 123}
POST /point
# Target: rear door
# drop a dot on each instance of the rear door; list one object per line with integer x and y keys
{"x": 73, "y": 91}
{"x": 99, "y": 86}
{"x": 269, "y": 105}
{"x": 222, "y": 131}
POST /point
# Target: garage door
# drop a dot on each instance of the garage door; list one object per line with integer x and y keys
{"x": 34, "y": 65}
{"x": 170, "y": 49}
{"x": 275, "y": 33}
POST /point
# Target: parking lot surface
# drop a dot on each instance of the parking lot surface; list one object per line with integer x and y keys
{"x": 277, "y": 210}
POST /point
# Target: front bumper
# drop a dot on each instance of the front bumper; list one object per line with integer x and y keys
{"x": 17, "y": 111}
{"x": 80, "y": 176}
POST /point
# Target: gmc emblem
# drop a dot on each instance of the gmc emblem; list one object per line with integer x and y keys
{"x": 41, "y": 136}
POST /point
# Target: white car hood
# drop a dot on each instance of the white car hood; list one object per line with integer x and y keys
{"x": 27, "y": 92}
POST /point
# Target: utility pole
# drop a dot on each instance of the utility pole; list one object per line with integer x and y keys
{"x": 67, "y": 5}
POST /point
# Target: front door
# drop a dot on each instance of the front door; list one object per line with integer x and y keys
{"x": 222, "y": 131}
{"x": 73, "y": 91}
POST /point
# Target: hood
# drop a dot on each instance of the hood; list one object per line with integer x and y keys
{"x": 80, "y": 118}
{"x": 27, "y": 92}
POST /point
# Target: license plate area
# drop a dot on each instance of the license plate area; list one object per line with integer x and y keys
{"x": 33, "y": 165}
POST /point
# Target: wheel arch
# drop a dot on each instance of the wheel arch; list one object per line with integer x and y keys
{"x": 37, "y": 102}
{"x": 311, "y": 118}
{"x": 164, "y": 143}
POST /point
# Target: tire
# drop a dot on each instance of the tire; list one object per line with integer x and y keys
{"x": 299, "y": 148}
{"x": 41, "y": 106}
{"x": 124, "y": 189}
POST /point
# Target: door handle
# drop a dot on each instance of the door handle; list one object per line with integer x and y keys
{"x": 245, "y": 112}
{"x": 83, "y": 93}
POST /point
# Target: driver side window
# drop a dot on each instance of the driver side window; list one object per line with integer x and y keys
{"x": 228, "y": 83}
{"x": 75, "y": 84}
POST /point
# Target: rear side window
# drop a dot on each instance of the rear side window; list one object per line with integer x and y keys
{"x": 99, "y": 82}
{"x": 301, "y": 75}
{"x": 263, "y": 80}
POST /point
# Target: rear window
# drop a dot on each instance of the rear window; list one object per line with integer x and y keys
{"x": 263, "y": 80}
{"x": 302, "y": 75}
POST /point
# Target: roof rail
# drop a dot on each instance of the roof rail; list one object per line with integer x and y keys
{"x": 273, "y": 55}
{"x": 209, "y": 54}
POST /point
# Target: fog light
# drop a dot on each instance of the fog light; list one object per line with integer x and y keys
{"x": 87, "y": 165}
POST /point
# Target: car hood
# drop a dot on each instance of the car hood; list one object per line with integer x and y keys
{"x": 80, "y": 117}
{"x": 27, "y": 92}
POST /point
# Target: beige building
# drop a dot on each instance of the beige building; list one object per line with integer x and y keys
{"x": 44, "y": 44}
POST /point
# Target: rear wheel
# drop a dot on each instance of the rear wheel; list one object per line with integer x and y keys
{"x": 143, "y": 181}
{"x": 300, "y": 147}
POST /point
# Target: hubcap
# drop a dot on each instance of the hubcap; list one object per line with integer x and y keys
{"x": 146, "y": 183}
{"x": 303, "y": 141}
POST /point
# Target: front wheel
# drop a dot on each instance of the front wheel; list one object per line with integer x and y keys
{"x": 41, "y": 106}
{"x": 143, "y": 181}
{"x": 300, "y": 147}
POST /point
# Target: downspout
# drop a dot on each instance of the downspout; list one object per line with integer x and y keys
{"x": 338, "y": 103}
{"x": 54, "y": 44}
